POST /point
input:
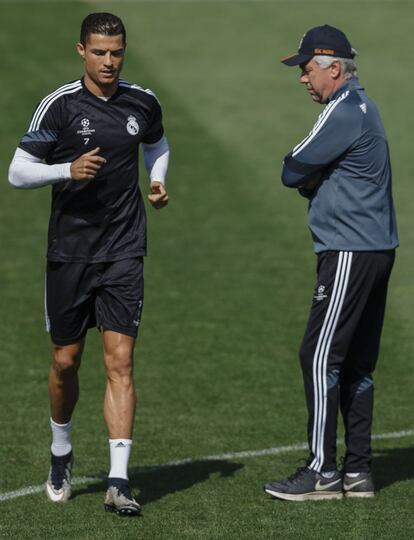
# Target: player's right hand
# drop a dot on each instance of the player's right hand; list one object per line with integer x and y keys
{"x": 87, "y": 165}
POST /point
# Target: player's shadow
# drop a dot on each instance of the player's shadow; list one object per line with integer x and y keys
{"x": 392, "y": 465}
{"x": 154, "y": 482}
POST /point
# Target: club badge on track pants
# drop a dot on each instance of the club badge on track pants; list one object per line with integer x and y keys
{"x": 339, "y": 352}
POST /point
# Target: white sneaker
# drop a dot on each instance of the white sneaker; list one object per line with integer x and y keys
{"x": 58, "y": 485}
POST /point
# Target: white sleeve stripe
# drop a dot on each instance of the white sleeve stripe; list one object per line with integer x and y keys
{"x": 319, "y": 120}
{"x": 322, "y": 116}
{"x": 35, "y": 126}
{"x": 319, "y": 124}
{"x": 49, "y": 96}
{"x": 44, "y": 101}
{"x": 126, "y": 84}
{"x": 48, "y": 100}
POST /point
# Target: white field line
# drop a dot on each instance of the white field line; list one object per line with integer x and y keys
{"x": 30, "y": 490}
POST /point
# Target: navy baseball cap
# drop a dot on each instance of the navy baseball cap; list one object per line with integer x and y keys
{"x": 321, "y": 40}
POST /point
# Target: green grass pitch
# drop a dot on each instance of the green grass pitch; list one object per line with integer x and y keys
{"x": 229, "y": 277}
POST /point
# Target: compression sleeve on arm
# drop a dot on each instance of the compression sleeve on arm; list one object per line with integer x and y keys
{"x": 156, "y": 158}
{"x": 27, "y": 171}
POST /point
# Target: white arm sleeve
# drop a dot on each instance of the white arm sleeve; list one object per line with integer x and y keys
{"x": 156, "y": 158}
{"x": 27, "y": 171}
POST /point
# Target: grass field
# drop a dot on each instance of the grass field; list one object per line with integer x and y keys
{"x": 229, "y": 278}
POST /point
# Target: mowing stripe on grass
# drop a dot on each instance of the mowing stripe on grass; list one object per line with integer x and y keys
{"x": 30, "y": 490}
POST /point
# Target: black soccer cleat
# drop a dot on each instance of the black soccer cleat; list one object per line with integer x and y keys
{"x": 306, "y": 485}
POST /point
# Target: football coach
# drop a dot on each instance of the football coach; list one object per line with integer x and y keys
{"x": 343, "y": 168}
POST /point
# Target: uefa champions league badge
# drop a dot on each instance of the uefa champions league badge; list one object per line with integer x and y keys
{"x": 132, "y": 125}
{"x": 86, "y": 130}
{"x": 86, "y": 127}
{"x": 320, "y": 294}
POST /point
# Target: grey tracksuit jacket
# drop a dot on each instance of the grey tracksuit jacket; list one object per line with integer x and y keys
{"x": 352, "y": 208}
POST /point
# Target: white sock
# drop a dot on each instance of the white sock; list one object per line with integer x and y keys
{"x": 353, "y": 474}
{"x": 120, "y": 450}
{"x": 61, "y": 438}
{"x": 328, "y": 474}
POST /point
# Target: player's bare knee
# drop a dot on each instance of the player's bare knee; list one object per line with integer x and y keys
{"x": 119, "y": 365}
{"x": 66, "y": 360}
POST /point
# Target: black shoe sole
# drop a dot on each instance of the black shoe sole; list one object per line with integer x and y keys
{"x": 125, "y": 512}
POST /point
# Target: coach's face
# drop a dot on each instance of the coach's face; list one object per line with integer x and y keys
{"x": 104, "y": 57}
{"x": 320, "y": 83}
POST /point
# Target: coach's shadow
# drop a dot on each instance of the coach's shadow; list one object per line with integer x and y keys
{"x": 153, "y": 483}
{"x": 392, "y": 465}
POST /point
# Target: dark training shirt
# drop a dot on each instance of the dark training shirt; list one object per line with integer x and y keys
{"x": 102, "y": 219}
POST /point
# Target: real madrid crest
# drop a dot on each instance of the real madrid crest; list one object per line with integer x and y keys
{"x": 132, "y": 125}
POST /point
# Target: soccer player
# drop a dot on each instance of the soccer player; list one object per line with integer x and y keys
{"x": 84, "y": 139}
{"x": 343, "y": 168}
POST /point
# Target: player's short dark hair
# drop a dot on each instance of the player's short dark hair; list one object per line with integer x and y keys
{"x": 102, "y": 23}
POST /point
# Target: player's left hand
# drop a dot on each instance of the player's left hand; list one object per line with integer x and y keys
{"x": 158, "y": 196}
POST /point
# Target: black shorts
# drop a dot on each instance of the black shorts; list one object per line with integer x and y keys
{"x": 79, "y": 296}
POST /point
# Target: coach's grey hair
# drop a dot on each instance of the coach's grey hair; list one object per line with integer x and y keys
{"x": 348, "y": 65}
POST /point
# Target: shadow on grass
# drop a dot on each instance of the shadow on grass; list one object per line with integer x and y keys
{"x": 392, "y": 465}
{"x": 154, "y": 483}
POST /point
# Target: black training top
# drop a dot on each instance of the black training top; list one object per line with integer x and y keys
{"x": 101, "y": 219}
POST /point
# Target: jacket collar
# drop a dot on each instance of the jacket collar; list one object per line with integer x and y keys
{"x": 351, "y": 84}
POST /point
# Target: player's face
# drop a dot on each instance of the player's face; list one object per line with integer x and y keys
{"x": 104, "y": 57}
{"x": 320, "y": 83}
